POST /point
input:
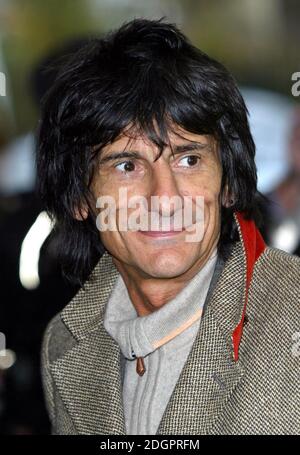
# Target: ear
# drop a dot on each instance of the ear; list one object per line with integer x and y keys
{"x": 227, "y": 198}
{"x": 81, "y": 213}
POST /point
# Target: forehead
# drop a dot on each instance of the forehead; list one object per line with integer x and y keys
{"x": 134, "y": 140}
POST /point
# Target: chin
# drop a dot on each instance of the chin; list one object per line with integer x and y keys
{"x": 165, "y": 266}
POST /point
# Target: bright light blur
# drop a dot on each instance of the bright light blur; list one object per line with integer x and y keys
{"x": 286, "y": 236}
{"x": 7, "y": 359}
{"x": 30, "y": 251}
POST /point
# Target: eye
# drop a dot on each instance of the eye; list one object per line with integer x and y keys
{"x": 125, "y": 166}
{"x": 189, "y": 161}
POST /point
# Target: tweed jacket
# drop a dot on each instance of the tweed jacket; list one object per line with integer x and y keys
{"x": 242, "y": 375}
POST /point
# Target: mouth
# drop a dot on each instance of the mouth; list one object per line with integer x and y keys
{"x": 157, "y": 234}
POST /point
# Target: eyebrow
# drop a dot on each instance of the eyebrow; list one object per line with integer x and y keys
{"x": 133, "y": 154}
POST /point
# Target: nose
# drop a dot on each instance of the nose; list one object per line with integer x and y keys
{"x": 165, "y": 189}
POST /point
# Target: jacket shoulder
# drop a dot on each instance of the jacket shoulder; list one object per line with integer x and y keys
{"x": 275, "y": 254}
{"x": 57, "y": 338}
{"x": 282, "y": 265}
{"x": 276, "y": 282}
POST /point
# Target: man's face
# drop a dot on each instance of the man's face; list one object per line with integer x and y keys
{"x": 192, "y": 173}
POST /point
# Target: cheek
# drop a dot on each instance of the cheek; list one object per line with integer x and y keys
{"x": 112, "y": 242}
{"x": 209, "y": 193}
{"x": 105, "y": 187}
{"x": 212, "y": 189}
{"x": 207, "y": 185}
{"x": 120, "y": 191}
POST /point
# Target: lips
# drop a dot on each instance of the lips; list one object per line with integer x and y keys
{"x": 161, "y": 233}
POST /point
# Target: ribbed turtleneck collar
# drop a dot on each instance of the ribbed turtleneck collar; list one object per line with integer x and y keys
{"x": 138, "y": 336}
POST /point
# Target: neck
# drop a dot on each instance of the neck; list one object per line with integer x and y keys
{"x": 148, "y": 294}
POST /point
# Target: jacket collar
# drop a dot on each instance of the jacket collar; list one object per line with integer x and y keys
{"x": 253, "y": 247}
{"x": 88, "y": 376}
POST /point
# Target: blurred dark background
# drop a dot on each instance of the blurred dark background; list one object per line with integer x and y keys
{"x": 258, "y": 41}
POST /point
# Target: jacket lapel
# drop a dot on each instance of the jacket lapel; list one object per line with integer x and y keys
{"x": 88, "y": 376}
{"x": 210, "y": 373}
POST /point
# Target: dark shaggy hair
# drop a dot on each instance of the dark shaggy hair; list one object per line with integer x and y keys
{"x": 144, "y": 74}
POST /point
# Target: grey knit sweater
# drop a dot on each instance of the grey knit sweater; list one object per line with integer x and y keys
{"x": 163, "y": 338}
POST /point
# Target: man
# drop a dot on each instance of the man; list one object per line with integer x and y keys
{"x": 190, "y": 327}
